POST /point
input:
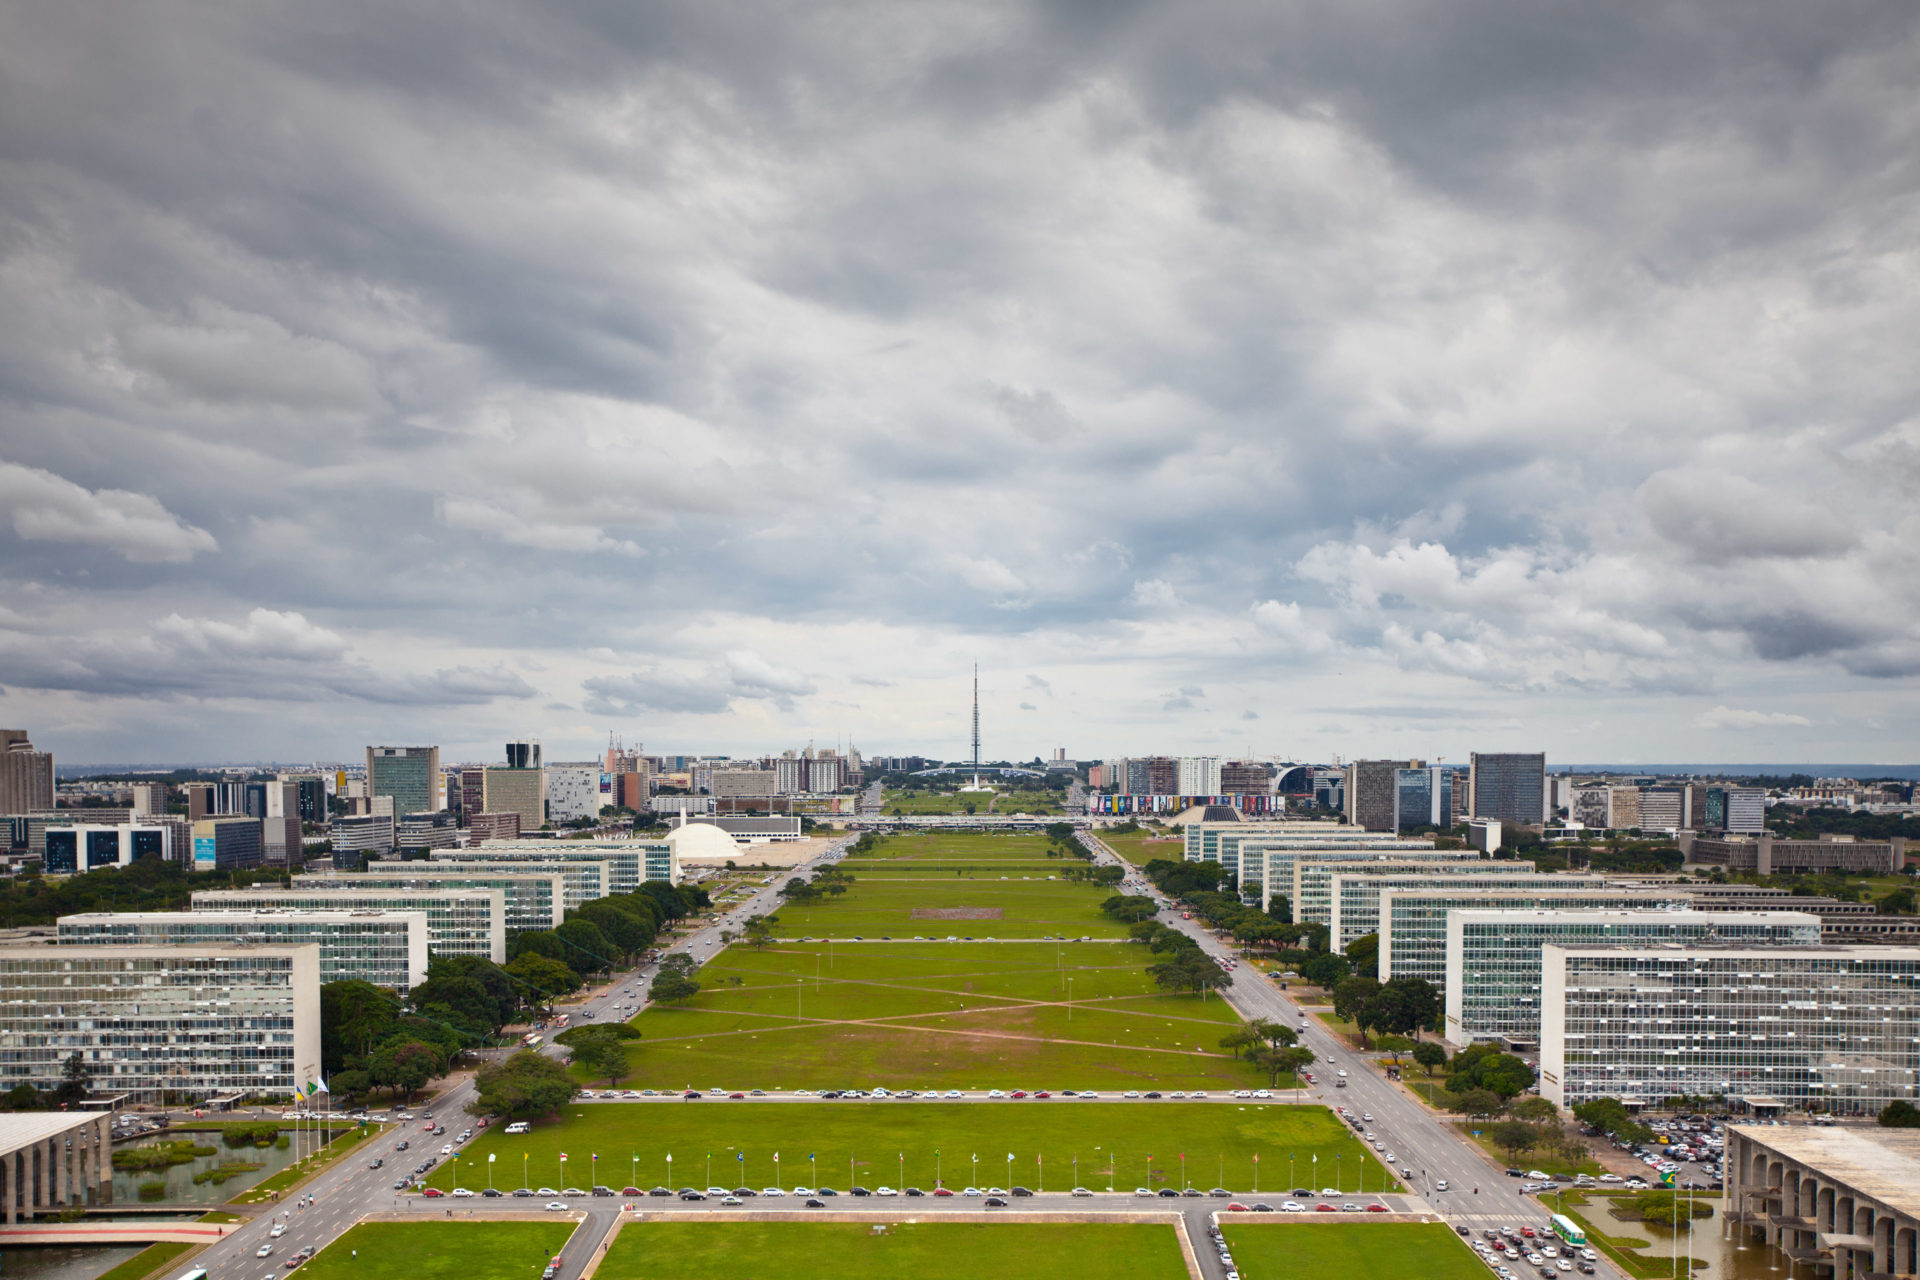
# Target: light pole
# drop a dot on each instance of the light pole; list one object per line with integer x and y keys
{"x": 523, "y": 1170}
{"x": 633, "y": 1169}
{"x": 1009, "y": 1170}
{"x": 903, "y": 1171}
{"x": 1290, "y": 1177}
{"x": 709, "y": 1168}
{"x": 936, "y": 1167}
{"x": 1183, "y": 1171}
{"x": 976, "y": 1169}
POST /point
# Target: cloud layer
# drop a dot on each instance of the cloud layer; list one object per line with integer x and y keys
{"x": 726, "y": 377}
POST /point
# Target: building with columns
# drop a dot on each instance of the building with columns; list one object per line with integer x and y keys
{"x": 1834, "y": 1196}
{"x": 51, "y": 1160}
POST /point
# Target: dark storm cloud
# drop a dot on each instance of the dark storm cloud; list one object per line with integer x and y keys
{"x": 590, "y": 353}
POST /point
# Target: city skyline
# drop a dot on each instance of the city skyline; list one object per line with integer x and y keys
{"x": 1228, "y": 382}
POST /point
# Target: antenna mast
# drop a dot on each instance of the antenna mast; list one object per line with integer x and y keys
{"x": 976, "y": 724}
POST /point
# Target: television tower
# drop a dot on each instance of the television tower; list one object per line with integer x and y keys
{"x": 976, "y": 726}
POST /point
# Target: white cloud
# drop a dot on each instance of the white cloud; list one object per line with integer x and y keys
{"x": 45, "y": 507}
{"x": 1154, "y": 593}
{"x": 539, "y": 533}
{"x": 1285, "y": 622}
{"x": 1724, "y": 717}
{"x": 986, "y": 574}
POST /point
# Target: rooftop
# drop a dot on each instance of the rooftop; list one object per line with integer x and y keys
{"x": 1881, "y": 1163}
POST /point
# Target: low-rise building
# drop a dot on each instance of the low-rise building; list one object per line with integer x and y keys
{"x": 1769, "y": 855}
{"x": 1830, "y": 1196}
{"x": 1832, "y": 1028}
{"x": 358, "y": 837}
{"x": 228, "y": 844}
{"x": 1413, "y": 920}
{"x": 631, "y": 863}
{"x": 1493, "y": 957}
{"x": 88, "y": 848}
{"x": 162, "y": 1024}
{"x": 535, "y": 901}
{"x": 386, "y": 948}
{"x": 460, "y": 921}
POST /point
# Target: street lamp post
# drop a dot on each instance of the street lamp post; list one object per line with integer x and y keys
{"x": 976, "y": 1169}
{"x": 1009, "y": 1170}
{"x": 936, "y": 1167}
{"x": 635, "y": 1163}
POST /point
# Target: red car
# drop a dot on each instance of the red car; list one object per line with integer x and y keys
{"x": 941, "y": 1191}
{"x": 433, "y": 1193}
{"x": 1376, "y": 1208}
{"x": 1019, "y": 1093}
{"x": 1043, "y": 1094}
{"x": 1324, "y": 1208}
{"x": 1236, "y": 1207}
{"x": 736, "y": 1096}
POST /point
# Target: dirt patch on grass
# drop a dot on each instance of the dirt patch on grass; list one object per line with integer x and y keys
{"x": 956, "y": 913}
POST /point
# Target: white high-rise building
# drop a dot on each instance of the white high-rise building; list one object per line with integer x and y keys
{"x": 1199, "y": 775}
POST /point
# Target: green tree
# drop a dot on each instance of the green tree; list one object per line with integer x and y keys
{"x": 1326, "y": 969}
{"x": 1276, "y": 1061}
{"x": 1278, "y": 1034}
{"x": 354, "y": 1017}
{"x": 1188, "y": 969}
{"x": 601, "y": 1052}
{"x": 346, "y": 1085}
{"x": 543, "y": 979}
{"x": 1363, "y": 953}
{"x": 405, "y": 1066}
{"x": 1478, "y": 1102}
{"x": 1515, "y": 1137}
{"x": 524, "y": 1087}
{"x": 588, "y": 950}
{"x": 75, "y": 1081}
{"x": 670, "y": 987}
{"x": 1481, "y": 1066}
{"x": 1664, "y": 1208}
{"x": 1533, "y": 1108}
{"x": 1240, "y": 1038}
{"x": 1900, "y": 1114}
{"x": 1130, "y": 907}
{"x": 1404, "y": 1006}
{"x": 1429, "y": 1055}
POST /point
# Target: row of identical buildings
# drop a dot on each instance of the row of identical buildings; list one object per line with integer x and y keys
{"x": 222, "y": 1001}
{"x": 1639, "y": 988}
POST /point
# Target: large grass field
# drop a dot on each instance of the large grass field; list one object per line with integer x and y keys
{"x": 894, "y": 1143}
{"x": 916, "y": 1015}
{"x": 1004, "y": 905}
{"x": 969, "y": 853}
{"x": 1142, "y": 847}
{"x": 440, "y": 1251}
{"x": 925, "y": 1251}
{"x": 1429, "y": 1250}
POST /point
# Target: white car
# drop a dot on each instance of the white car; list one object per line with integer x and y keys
{"x": 1142, "y": 1191}
{"x": 1293, "y": 1206}
{"x": 803, "y": 1191}
{"x": 279, "y": 1229}
{"x": 264, "y": 1251}
{"x": 556, "y": 1206}
{"x": 462, "y": 1192}
{"x": 885, "y": 1191}
{"x": 1081, "y": 1191}
{"x": 771, "y": 1191}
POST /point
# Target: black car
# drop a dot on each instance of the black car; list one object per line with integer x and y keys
{"x": 1193, "y": 1193}
{"x": 861, "y": 1191}
{"x": 825, "y": 1191}
{"x": 404, "y": 1144}
{"x": 691, "y": 1095}
{"x": 995, "y": 1202}
{"x": 691, "y": 1195}
{"x": 829, "y": 1093}
{"x": 745, "y": 1193}
{"x": 1168, "y": 1193}
{"x": 657, "y": 1191}
{"x": 1301, "y": 1193}
{"x": 401, "y": 1185}
{"x": 608, "y": 1191}
{"x": 816, "y": 1204}
{"x": 377, "y": 1164}
{"x": 1151, "y": 1093}
{"x": 1021, "y": 1191}
{"x": 522, "y": 1192}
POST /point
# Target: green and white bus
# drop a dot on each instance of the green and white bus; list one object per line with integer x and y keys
{"x": 1568, "y": 1230}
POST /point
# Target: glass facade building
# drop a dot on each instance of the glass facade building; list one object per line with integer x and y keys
{"x": 1493, "y": 957}
{"x": 1509, "y": 786}
{"x": 582, "y": 880}
{"x": 1356, "y": 895}
{"x": 535, "y": 901}
{"x": 1833, "y": 1028}
{"x": 385, "y": 948}
{"x": 162, "y": 1023}
{"x": 1279, "y": 858}
{"x": 631, "y": 863}
{"x": 1423, "y": 798}
{"x": 460, "y": 922}
{"x": 1413, "y": 921}
{"x": 411, "y": 775}
{"x": 1312, "y": 895}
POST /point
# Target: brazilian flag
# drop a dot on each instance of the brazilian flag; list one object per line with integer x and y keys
{"x": 1666, "y": 1179}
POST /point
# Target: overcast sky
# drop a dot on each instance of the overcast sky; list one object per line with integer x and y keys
{"x": 1354, "y": 378}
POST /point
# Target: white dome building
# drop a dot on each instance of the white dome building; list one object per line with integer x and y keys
{"x": 702, "y": 842}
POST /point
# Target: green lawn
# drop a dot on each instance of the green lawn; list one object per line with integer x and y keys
{"x": 1002, "y": 905}
{"x": 1280, "y": 1249}
{"x": 1003, "y": 800}
{"x": 633, "y": 1141}
{"x": 917, "y": 1015}
{"x": 1142, "y": 847}
{"x": 925, "y": 1251}
{"x": 440, "y": 1251}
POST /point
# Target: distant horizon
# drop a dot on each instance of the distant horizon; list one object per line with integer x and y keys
{"x": 1818, "y": 770}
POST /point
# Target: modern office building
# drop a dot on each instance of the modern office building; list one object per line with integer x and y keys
{"x": 52, "y": 1160}
{"x": 582, "y": 880}
{"x": 162, "y": 1024}
{"x": 1199, "y": 776}
{"x": 573, "y": 791}
{"x": 26, "y": 775}
{"x": 1423, "y": 797}
{"x": 1493, "y": 957}
{"x": 1510, "y": 786}
{"x": 1767, "y": 855}
{"x": 1277, "y": 861}
{"x": 1309, "y": 888}
{"x": 228, "y": 844}
{"x": 1372, "y": 792}
{"x": 87, "y": 848}
{"x": 1766, "y": 1027}
{"x": 1746, "y": 811}
{"x": 411, "y": 775}
{"x": 535, "y": 901}
{"x": 516, "y": 791}
{"x": 1356, "y": 895}
{"x": 460, "y": 922}
{"x": 437, "y": 830}
{"x": 365, "y": 836}
{"x": 485, "y": 828}
{"x": 631, "y": 863}
{"x": 386, "y": 948}
{"x": 1240, "y": 846}
{"x": 1413, "y": 921}
{"x": 149, "y": 799}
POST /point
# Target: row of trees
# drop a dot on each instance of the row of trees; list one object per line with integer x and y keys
{"x": 597, "y": 937}
{"x": 1400, "y": 1006}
